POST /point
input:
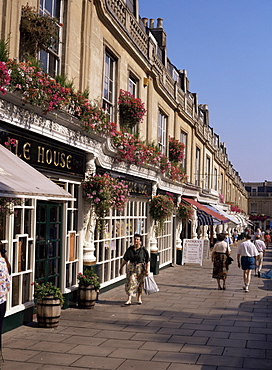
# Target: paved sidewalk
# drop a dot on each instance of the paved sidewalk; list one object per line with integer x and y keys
{"x": 188, "y": 325}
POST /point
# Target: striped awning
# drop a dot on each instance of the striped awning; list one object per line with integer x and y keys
{"x": 204, "y": 219}
{"x": 218, "y": 209}
{"x": 206, "y": 216}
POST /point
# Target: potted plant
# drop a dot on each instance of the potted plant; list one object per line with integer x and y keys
{"x": 49, "y": 300}
{"x": 161, "y": 208}
{"x": 88, "y": 288}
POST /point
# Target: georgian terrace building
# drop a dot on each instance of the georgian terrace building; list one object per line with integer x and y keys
{"x": 105, "y": 46}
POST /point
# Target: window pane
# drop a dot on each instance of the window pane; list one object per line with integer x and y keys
{"x": 17, "y": 222}
{"x": 27, "y": 225}
{"x": 48, "y": 6}
{"x": 2, "y": 228}
{"x": 15, "y": 290}
{"x": 26, "y": 287}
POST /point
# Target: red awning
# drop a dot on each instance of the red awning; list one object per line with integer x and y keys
{"x": 205, "y": 209}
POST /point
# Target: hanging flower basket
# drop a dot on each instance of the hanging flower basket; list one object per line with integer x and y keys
{"x": 38, "y": 32}
{"x": 131, "y": 110}
{"x": 104, "y": 192}
{"x": 161, "y": 208}
{"x": 176, "y": 150}
{"x": 184, "y": 212}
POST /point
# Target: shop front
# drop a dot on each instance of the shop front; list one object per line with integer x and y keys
{"x": 120, "y": 227}
{"x": 42, "y": 235}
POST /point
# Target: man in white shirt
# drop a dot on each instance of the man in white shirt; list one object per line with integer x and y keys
{"x": 261, "y": 247}
{"x": 247, "y": 252}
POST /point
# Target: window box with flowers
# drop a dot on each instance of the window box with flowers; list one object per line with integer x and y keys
{"x": 131, "y": 110}
{"x": 104, "y": 192}
{"x": 258, "y": 217}
{"x": 88, "y": 288}
{"x": 161, "y": 208}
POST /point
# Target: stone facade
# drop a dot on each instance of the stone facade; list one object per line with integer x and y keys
{"x": 105, "y": 46}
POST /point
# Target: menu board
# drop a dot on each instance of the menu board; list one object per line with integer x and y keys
{"x": 193, "y": 251}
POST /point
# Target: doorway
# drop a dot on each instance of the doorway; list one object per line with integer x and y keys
{"x": 48, "y": 243}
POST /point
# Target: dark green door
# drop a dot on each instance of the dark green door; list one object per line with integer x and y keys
{"x": 48, "y": 242}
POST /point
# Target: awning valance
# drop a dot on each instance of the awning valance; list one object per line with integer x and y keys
{"x": 19, "y": 179}
{"x": 214, "y": 216}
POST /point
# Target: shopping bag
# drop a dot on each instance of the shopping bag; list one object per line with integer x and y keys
{"x": 150, "y": 285}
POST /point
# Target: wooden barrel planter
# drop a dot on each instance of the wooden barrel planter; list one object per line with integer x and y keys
{"x": 48, "y": 312}
{"x": 87, "y": 296}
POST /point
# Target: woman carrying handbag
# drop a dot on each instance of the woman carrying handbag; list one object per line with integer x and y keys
{"x": 137, "y": 260}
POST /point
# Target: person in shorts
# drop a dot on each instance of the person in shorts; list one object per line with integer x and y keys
{"x": 246, "y": 256}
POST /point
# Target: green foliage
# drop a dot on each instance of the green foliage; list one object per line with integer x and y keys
{"x": 89, "y": 278}
{"x": 64, "y": 82}
{"x": 47, "y": 289}
{"x": 4, "y": 50}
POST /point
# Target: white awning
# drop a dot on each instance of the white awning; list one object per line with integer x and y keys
{"x": 232, "y": 218}
{"x": 19, "y": 179}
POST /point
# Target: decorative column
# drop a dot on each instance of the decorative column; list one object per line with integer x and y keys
{"x": 89, "y": 221}
{"x": 154, "y": 251}
{"x": 205, "y": 232}
{"x": 178, "y": 257}
{"x": 152, "y": 239}
{"x": 219, "y": 229}
{"x": 194, "y": 224}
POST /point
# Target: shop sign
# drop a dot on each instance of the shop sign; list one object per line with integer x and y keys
{"x": 136, "y": 186}
{"x": 43, "y": 153}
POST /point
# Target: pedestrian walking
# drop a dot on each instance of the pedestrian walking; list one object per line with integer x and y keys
{"x": 137, "y": 258}
{"x": 246, "y": 256}
{"x": 258, "y": 232}
{"x": 235, "y": 237}
{"x": 267, "y": 239}
{"x": 219, "y": 259}
{"x": 261, "y": 247}
{"x": 228, "y": 239}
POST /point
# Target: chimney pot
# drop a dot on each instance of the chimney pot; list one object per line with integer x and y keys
{"x": 159, "y": 23}
{"x": 151, "y": 23}
{"x": 145, "y": 20}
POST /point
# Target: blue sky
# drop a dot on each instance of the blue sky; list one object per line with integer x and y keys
{"x": 226, "y": 48}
